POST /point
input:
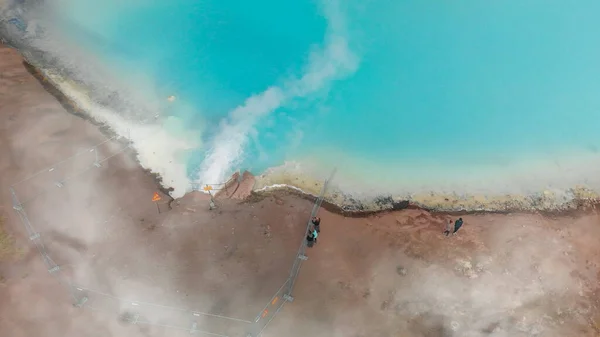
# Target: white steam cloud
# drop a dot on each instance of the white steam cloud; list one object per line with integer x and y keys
{"x": 326, "y": 65}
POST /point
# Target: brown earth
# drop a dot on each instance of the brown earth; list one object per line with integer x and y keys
{"x": 393, "y": 274}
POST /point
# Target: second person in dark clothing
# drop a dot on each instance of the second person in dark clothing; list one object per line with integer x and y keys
{"x": 311, "y": 238}
{"x": 317, "y": 223}
{"x": 457, "y": 225}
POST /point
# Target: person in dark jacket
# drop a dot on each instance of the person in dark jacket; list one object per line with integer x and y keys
{"x": 457, "y": 225}
{"x": 317, "y": 223}
{"x": 310, "y": 238}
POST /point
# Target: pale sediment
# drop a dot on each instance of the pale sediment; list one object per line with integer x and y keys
{"x": 544, "y": 201}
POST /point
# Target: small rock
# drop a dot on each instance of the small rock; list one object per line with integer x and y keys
{"x": 401, "y": 271}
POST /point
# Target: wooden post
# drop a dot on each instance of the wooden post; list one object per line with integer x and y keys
{"x": 156, "y": 198}
{"x": 211, "y": 204}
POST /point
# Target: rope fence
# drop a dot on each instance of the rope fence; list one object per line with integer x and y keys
{"x": 284, "y": 294}
{"x": 141, "y": 312}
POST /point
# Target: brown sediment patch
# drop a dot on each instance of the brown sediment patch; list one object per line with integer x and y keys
{"x": 61, "y": 98}
{"x": 229, "y": 188}
{"x": 8, "y": 249}
{"x": 244, "y": 186}
{"x": 544, "y": 201}
{"x": 582, "y": 206}
{"x": 547, "y": 202}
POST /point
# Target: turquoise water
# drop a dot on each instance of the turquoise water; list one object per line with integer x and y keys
{"x": 419, "y": 83}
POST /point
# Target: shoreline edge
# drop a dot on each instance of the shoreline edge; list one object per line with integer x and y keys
{"x": 546, "y": 202}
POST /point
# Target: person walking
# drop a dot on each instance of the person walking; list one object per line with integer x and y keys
{"x": 457, "y": 225}
{"x": 310, "y": 238}
{"x": 317, "y": 223}
{"x": 315, "y": 234}
{"x": 449, "y": 227}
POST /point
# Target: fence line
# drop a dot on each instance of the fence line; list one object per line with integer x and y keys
{"x": 120, "y": 299}
{"x": 81, "y": 295}
{"x": 273, "y": 298}
{"x": 272, "y": 317}
{"x": 284, "y": 294}
{"x": 136, "y": 320}
{"x": 71, "y": 177}
{"x": 302, "y": 250}
{"x": 71, "y": 157}
{"x": 36, "y": 238}
{"x": 97, "y": 163}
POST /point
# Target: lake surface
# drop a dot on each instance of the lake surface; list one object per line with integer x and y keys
{"x": 390, "y": 92}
